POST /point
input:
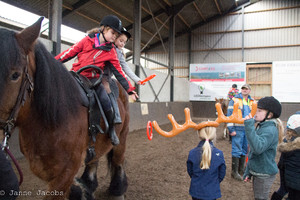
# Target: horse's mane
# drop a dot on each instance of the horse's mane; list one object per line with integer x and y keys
{"x": 56, "y": 95}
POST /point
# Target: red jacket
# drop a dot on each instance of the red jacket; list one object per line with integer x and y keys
{"x": 89, "y": 52}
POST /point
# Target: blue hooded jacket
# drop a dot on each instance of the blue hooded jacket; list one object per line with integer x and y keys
{"x": 263, "y": 145}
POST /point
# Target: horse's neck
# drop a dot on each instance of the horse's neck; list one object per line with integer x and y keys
{"x": 27, "y": 118}
{"x": 123, "y": 95}
{"x": 225, "y": 105}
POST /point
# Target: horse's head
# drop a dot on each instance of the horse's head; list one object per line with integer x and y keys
{"x": 219, "y": 100}
{"x": 16, "y": 54}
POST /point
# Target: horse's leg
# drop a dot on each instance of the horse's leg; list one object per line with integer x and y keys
{"x": 85, "y": 187}
{"x": 225, "y": 131}
{"x": 58, "y": 188}
{"x": 118, "y": 184}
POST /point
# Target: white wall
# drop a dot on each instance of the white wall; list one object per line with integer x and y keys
{"x": 161, "y": 85}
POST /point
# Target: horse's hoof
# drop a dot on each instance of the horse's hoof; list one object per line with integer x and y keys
{"x": 117, "y": 197}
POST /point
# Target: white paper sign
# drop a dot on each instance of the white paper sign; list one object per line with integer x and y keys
{"x": 286, "y": 81}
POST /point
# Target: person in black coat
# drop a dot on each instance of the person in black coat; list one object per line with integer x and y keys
{"x": 9, "y": 185}
{"x": 289, "y": 163}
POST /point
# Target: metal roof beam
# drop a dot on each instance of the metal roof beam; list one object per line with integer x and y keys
{"x": 218, "y": 7}
{"x": 176, "y": 9}
{"x": 198, "y": 10}
{"x": 233, "y": 8}
{"x": 75, "y": 7}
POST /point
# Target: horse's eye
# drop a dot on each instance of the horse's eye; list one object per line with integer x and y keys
{"x": 15, "y": 76}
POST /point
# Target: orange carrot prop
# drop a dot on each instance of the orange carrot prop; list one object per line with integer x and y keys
{"x": 143, "y": 82}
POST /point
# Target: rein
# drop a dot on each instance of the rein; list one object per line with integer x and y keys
{"x": 15, "y": 162}
{"x": 8, "y": 125}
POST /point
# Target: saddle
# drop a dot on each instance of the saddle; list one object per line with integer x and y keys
{"x": 91, "y": 100}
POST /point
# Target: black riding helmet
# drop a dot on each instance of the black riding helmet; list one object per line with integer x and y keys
{"x": 125, "y": 32}
{"x": 113, "y": 22}
{"x": 271, "y": 105}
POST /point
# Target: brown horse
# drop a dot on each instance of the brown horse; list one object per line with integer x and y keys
{"x": 40, "y": 97}
{"x": 224, "y": 105}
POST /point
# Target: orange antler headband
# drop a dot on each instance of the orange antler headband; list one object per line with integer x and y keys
{"x": 177, "y": 128}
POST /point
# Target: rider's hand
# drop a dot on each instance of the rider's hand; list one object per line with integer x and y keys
{"x": 140, "y": 83}
{"x": 134, "y": 96}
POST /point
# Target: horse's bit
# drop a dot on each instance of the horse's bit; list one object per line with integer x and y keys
{"x": 26, "y": 88}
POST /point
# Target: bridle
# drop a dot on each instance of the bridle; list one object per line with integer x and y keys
{"x": 8, "y": 125}
{"x": 26, "y": 88}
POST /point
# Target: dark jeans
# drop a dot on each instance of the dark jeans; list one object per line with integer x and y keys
{"x": 8, "y": 181}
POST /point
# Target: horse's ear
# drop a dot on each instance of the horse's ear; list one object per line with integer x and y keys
{"x": 27, "y": 36}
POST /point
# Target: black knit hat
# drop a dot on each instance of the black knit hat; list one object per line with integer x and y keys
{"x": 271, "y": 104}
{"x": 113, "y": 22}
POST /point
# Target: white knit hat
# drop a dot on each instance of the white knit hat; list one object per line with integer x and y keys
{"x": 294, "y": 123}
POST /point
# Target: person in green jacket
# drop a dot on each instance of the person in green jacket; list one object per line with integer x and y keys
{"x": 263, "y": 140}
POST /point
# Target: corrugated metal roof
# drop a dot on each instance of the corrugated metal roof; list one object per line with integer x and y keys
{"x": 86, "y": 14}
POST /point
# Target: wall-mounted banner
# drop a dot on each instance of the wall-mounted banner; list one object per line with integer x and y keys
{"x": 214, "y": 80}
{"x": 285, "y": 81}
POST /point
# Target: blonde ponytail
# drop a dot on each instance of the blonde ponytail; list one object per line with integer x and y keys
{"x": 280, "y": 130}
{"x": 93, "y": 31}
{"x": 207, "y": 134}
{"x": 98, "y": 29}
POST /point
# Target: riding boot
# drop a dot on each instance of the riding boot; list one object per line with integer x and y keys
{"x": 242, "y": 161}
{"x": 111, "y": 129}
{"x": 235, "y": 166}
{"x": 117, "y": 119}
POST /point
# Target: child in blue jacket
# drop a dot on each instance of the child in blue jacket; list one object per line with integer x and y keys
{"x": 263, "y": 140}
{"x": 206, "y": 167}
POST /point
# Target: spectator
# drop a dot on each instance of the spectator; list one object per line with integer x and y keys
{"x": 237, "y": 131}
{"x": 289, "y": 163}
{"x": 232, "y": 92}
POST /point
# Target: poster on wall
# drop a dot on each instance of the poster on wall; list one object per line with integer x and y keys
{"x": 214, "y": 80}
{"x": 285, "y": 81}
